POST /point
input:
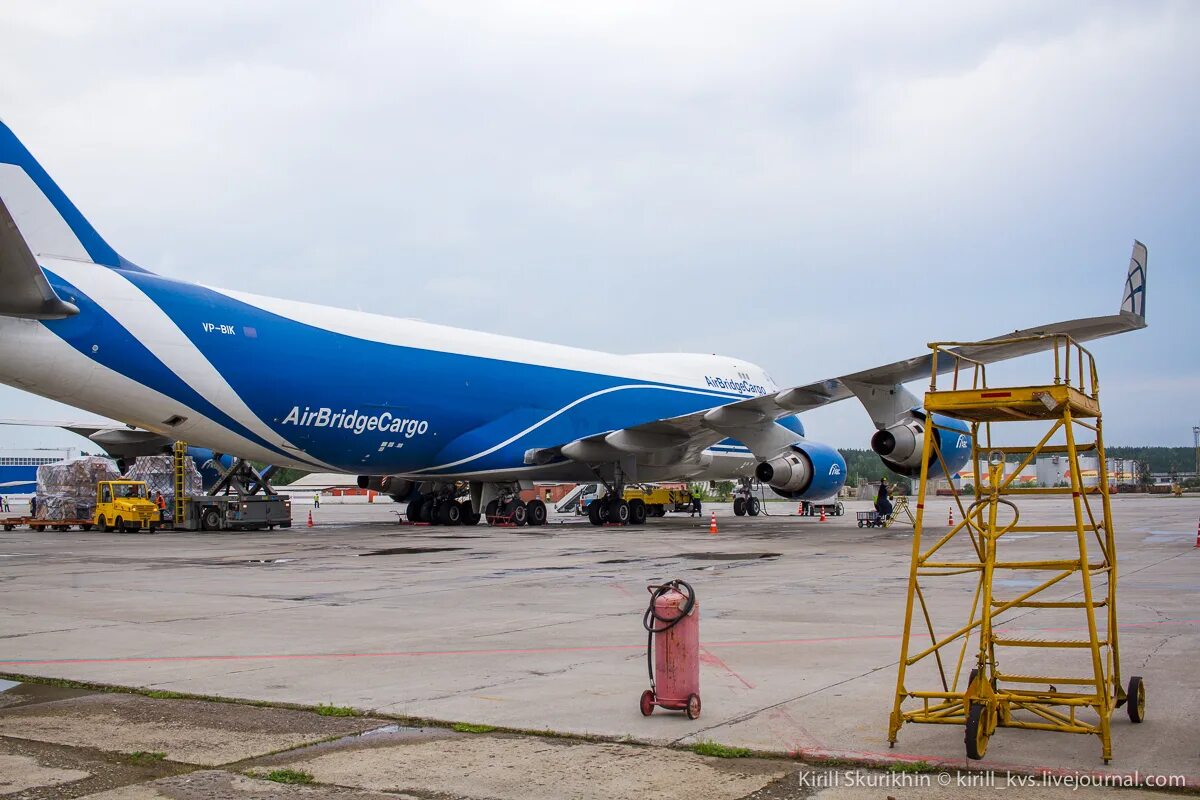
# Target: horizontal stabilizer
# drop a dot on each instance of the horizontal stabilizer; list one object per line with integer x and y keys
{"x": 24, "y": 290}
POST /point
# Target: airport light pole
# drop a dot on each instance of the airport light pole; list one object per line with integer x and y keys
{"x": 1196, "y": 443}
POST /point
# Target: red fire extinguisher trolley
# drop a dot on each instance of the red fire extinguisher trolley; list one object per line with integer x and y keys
{"x": 672, "y": 623}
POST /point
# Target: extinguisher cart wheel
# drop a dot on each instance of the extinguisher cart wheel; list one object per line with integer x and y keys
{"x": 646, "y": 703}
{"x": 693, "y": 706}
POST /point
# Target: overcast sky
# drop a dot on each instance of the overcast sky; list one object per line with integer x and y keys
{"x": 815, "y": 187}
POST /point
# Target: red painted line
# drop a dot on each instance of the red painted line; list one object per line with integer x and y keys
{"x": 425, "y": 653}
{"x": 995, "y": 394}
{"x": 500, "y": 651}
{"x": 708, "y": 658}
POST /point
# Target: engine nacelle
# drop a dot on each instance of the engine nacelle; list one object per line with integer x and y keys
{"x": 398, "y": 488}
{"x": 900, "y": 446}
{"x": 808, "y": 470}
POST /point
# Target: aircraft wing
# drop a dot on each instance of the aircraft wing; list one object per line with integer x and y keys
{"x": 119, "y": 441}
{"x": 754, "y": 421}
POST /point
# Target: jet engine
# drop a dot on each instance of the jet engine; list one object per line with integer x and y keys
{"x": 899, "y": 446}
{"x": 398, "y": 488}
{"x": 805, "y": 470}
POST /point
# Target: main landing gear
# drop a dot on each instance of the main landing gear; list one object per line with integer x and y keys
{"x": 453, "y": 507}
{"x": 613, "y": 509}
{"x": 744, "y": 501}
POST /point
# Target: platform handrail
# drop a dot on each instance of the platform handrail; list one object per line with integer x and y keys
{"x": 1067, "y": 353}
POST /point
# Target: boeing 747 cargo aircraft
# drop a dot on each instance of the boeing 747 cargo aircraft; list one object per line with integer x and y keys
{"x": 454, "y": 422}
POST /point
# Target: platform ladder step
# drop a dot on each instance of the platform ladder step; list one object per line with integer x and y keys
{"x": 180, "y": 469}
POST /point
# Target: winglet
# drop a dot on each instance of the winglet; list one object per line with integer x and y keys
{"x": 1134, "y": 299}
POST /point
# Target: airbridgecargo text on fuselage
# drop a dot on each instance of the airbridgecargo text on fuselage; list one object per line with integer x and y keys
{"x": 742, "y": 387}
{"x": 354, "y": 421}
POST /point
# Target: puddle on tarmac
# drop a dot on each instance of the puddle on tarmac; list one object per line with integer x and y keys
{"x": 727, "y": 556}
{"x": 387, "y": 734}
{"x": 409, "y": 551}
{"x": 269, "y": 560}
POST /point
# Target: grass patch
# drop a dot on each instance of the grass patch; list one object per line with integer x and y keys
{"x": 912, "y": 766}
{"x": 710, "y": 748}
{"x": 144, "y": 757}
{"x": 163, "y": 694}
{"x": 288, "y": 776}
{"x": 467, "y": 727}
{"x": 330, "y": 710}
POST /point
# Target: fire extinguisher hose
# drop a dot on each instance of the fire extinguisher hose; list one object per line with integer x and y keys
{"x": 653, "y": 623}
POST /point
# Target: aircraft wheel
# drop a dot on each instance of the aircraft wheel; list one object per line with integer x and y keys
{"x": 517, "y": 513}
{"x": 429, "y": 510}
{"x": 739, "y": 506}
{"x": 637, "y": 512}
{"x": 618, "y": 511}
{"x": 413, "y": 512}
{"x": 449, "y": 513}
{"x": 469, "y": 517}
{"x": 536, "y": 512}
{"x": 491, "y": 510}
{"x": 753, "y": 506}
{"x": 596, "y": 513}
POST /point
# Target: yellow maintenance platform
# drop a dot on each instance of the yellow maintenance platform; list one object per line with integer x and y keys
{"x": 1038, "y": 640}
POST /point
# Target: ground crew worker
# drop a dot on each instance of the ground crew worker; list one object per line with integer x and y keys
{"x": 696, "y": 504}
{"x": 161, "y": 502}
{"x": 33, "y": 506}
{"x": 4, "y": 505}
{"x": 883, "y": 502}
{"x": 317, "y": 500}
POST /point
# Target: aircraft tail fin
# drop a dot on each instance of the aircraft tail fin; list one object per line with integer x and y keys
{"x": 45, "y": 217}
{"x": 1134, "y": 299}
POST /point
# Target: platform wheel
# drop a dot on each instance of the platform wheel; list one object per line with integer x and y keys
{"x": 87, "y": 526}
{"x": 646, "y": 702}
{"x": 693, "y": 706}
{"x": 860, "y": 523}
{"x": 9, "y": 527}
{"x": 979, "y": 730}
{"x": 1136, "y": 699}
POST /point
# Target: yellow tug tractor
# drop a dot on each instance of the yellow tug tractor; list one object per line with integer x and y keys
{"x": 125, "y": 506}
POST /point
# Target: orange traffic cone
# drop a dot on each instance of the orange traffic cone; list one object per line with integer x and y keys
{"x": 310, "y": 522}
{"x": 822, "y": 513}
{"x": 800, "y": 508}
{"x": 950, "y": 521}
{"x": 1198, "y": 534}
{"x": 712, "y": 524}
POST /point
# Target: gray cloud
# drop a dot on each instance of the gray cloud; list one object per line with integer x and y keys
{"x": 815, "y": 187}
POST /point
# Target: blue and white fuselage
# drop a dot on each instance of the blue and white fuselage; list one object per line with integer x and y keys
{"x": 321, "y": 388}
